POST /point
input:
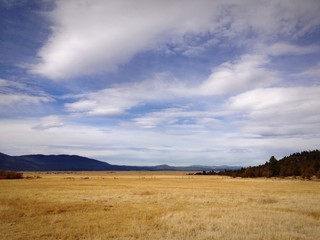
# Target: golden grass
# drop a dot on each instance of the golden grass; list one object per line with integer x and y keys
{"x": 157, "y": 205}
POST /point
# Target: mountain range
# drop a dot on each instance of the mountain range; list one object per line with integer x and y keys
{"x": 39, "y": 162}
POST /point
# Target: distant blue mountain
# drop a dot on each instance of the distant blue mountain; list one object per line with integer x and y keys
{"x": 64, "y": 162}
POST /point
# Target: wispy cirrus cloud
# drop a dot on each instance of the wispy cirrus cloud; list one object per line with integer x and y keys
{"x": 282, "y": 48}
{"x": 172, "y": 117}
{"x": 23, "y": 99}
{"x": 49, "y": 122}
{"x": 313, "y": 71}
{"x": 15, "y": 96}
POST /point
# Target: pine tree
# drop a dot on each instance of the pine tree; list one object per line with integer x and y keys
{"x": 274, "y": 167}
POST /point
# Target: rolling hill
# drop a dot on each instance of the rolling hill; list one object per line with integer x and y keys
{"x": 39, "y": 162}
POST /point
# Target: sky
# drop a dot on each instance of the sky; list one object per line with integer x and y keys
{"x": 147, "y": 82}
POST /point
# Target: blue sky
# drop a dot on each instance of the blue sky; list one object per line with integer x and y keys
{"x": 154, "y": 82}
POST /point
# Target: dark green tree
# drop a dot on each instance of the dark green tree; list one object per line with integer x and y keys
{"x": 274, "y": 167}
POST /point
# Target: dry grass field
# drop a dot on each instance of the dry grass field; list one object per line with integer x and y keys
{"x": 157, "y": 205}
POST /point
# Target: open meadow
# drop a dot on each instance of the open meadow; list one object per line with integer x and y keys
{"x": 157, "y": 205}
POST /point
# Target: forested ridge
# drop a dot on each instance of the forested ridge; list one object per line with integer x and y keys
{"x": 305, "y": 164}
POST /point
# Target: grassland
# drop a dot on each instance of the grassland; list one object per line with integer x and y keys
{"x": 153, "y": 205}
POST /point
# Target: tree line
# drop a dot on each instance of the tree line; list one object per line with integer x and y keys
{"x": 305, "y": 164}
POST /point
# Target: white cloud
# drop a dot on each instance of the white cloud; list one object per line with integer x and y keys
{"x": 265, "y": 98}
{"x": 13, "y": 94}
{"x": 122, "y": 146}
{"x": 118, "y": 99}
{"x": 248, "y": 72}
{"x": 5, "y": 83}
{"x": 278, "y": 111}
{"x": 94, "y": 36}
{"x": 6, "y": 100}
{"x": 112, "y": 143}
{"x": 18, "y": 99}
{"x": 49, "y": 122}
{"x": 172, "y": 117}
{"x": 98, "y": 35}
{"x": 313, "y": 71}
{"x": 282, "y": 48}
{"x": 275, "y": 18}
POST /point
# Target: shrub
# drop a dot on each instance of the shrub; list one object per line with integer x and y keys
{"x": 307, "y": 174}
{"x": 10, "y": 175}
